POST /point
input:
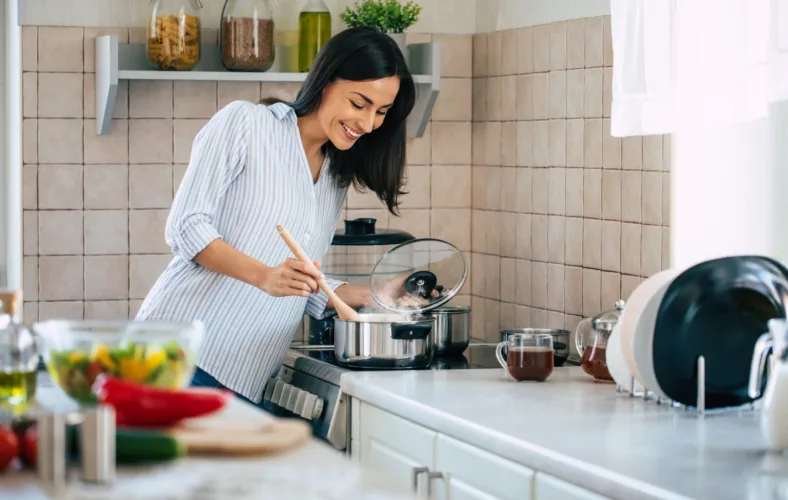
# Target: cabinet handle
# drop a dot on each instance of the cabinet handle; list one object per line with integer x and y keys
{"x": 446, "y": 483}
{"x": 415, "y": 472}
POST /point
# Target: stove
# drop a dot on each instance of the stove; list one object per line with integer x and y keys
{"x": 307, "y": 387}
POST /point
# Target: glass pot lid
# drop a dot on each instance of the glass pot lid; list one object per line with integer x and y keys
{"x": 418, "y": 276}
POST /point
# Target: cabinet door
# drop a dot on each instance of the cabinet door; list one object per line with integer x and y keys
{"x": 550, "y": 488}
{"x": 393, "y": 445}
{"x": 477, "y": 474}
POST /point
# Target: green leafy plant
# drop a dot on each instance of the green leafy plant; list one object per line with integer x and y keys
{"x": 386, "y": 16}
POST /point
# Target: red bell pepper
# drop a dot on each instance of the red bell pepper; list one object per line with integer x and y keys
{"x": 139, "y": 405}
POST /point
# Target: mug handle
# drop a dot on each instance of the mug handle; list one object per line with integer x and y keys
{"x": 499, "y": 355}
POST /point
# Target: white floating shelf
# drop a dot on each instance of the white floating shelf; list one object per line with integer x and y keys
{"x": 116, "y": 62}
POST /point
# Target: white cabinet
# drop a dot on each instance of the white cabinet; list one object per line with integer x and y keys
{"x": 550, "y": 488}
{"x": 393, "y": 445}
{"x": 397, "y": 447}
{"x": 479, "y": 475}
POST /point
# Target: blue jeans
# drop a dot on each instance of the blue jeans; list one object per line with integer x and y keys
{"x": 201, "y": 378}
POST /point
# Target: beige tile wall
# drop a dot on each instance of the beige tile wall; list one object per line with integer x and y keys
{"x": 565, "y": 218}
{"x": 95, "y": 206}
{"x": 517, "y": 168}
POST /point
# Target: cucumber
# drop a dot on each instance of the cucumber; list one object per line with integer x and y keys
{"x": 134, "y": 446}
{"x": 137, "y": 445}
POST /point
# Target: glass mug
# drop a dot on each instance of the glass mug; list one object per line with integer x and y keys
{"x": 529, "y": 356}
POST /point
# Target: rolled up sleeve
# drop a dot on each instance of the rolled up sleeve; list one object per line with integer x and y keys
{"x": 317, "y": 302}
{"x": 218, "y": 156}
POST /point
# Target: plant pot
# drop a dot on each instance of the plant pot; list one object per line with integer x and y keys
{"x": 402, "y": 42}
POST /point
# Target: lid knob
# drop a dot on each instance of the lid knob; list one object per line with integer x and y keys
{"x": 360, "y": 227}
{"x": 421, "y": 283}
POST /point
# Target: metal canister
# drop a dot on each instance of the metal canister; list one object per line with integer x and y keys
{"x": 51, "y": 449}
{"x": 97, "y": 444}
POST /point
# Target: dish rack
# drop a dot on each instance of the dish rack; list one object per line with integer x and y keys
{"x": 700, "y": 405}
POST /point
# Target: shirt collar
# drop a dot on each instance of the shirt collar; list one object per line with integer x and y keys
{"x": 281, "y": 110}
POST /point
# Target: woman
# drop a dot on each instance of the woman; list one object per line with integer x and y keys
{"x": 254, "y": 166}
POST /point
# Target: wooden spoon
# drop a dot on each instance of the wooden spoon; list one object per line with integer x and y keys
{"x": 345, "y": 311}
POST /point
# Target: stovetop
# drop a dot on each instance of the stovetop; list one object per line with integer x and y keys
{"x": 321, "y": 362}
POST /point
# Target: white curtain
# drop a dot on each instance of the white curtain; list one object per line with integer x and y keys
{"x": 684, "y": 64}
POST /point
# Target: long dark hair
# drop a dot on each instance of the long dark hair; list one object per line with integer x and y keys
{"x": 377, "y": 160}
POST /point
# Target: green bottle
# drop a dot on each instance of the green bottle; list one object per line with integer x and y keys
{"x": 314, "y": 30}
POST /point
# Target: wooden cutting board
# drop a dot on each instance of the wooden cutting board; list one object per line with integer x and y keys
{"x": 241, "y": 437}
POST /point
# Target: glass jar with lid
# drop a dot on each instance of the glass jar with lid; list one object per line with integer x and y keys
{"x": 247, "y": 35}
{"x": 174, "y": 36}
{"x": 18, "y": 354}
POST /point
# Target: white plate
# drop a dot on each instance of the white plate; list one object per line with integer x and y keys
{"x": 632, "y": 310}
{"x": 615, "y": 359}
{"x": 644, "y": 340}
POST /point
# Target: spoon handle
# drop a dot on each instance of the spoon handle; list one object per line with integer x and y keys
{"x": 345, "y": 311}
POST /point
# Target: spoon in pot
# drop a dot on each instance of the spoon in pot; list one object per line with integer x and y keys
{"x": 344, "y": 311}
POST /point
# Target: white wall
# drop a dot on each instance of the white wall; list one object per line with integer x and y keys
{"x": 494, "y": 15}
{"x": 729, "y": 184}
{"x": 10, "y": 148}
{"x": 438, "y": 16}
{"x": 4, "y": 193}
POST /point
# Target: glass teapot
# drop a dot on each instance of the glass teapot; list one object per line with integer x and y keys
{"x": 18, "y": 354}
{"x": 591, "y": 342}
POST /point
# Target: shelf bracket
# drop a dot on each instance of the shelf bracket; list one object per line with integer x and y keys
{"x": 106, "y": 81}
{"x": 424, "y": 59}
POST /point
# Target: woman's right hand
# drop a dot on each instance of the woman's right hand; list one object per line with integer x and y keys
{"x": 291, "y": 278}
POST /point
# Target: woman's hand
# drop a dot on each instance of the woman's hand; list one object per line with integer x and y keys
{"x": 291, "y": 278}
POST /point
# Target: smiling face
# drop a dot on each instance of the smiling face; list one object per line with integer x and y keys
{"x": 350, "y": 109}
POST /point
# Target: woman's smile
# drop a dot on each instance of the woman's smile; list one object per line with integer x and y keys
{"x": 350, "y": 133}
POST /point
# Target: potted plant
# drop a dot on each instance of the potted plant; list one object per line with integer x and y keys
{"x": 385, "y": 16}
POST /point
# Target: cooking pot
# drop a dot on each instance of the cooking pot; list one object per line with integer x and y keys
{"x": 409, "y": 282}
{"x": 384, "y": 341}
{"x": 452, "y": 330}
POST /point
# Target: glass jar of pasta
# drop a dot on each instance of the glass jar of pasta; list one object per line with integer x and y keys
{"x": 174, "y": 34}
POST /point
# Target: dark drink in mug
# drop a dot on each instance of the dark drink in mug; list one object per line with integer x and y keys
{"x": 527, "y": 356}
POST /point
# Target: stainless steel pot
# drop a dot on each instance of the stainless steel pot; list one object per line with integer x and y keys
{"x": 384, "y": 341}
{"x": 452, "y": 331}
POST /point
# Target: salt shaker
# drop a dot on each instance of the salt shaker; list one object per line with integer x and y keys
{"x": 97, "y": 445}
{"x": 51, "y": 449}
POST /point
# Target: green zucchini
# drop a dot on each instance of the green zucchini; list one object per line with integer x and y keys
{"x": 133, "y": 446}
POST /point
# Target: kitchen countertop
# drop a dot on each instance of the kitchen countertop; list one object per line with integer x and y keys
{"x": 313, "y": 471}
{"x": 586, "y": 433}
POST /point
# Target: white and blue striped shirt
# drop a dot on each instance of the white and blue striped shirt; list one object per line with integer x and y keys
{"x": 248, "y": 172}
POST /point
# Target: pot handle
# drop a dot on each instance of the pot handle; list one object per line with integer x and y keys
{"x": 406, "y": 331}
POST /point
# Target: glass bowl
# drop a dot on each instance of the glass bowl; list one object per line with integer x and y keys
{"x": 154, "y": 353}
